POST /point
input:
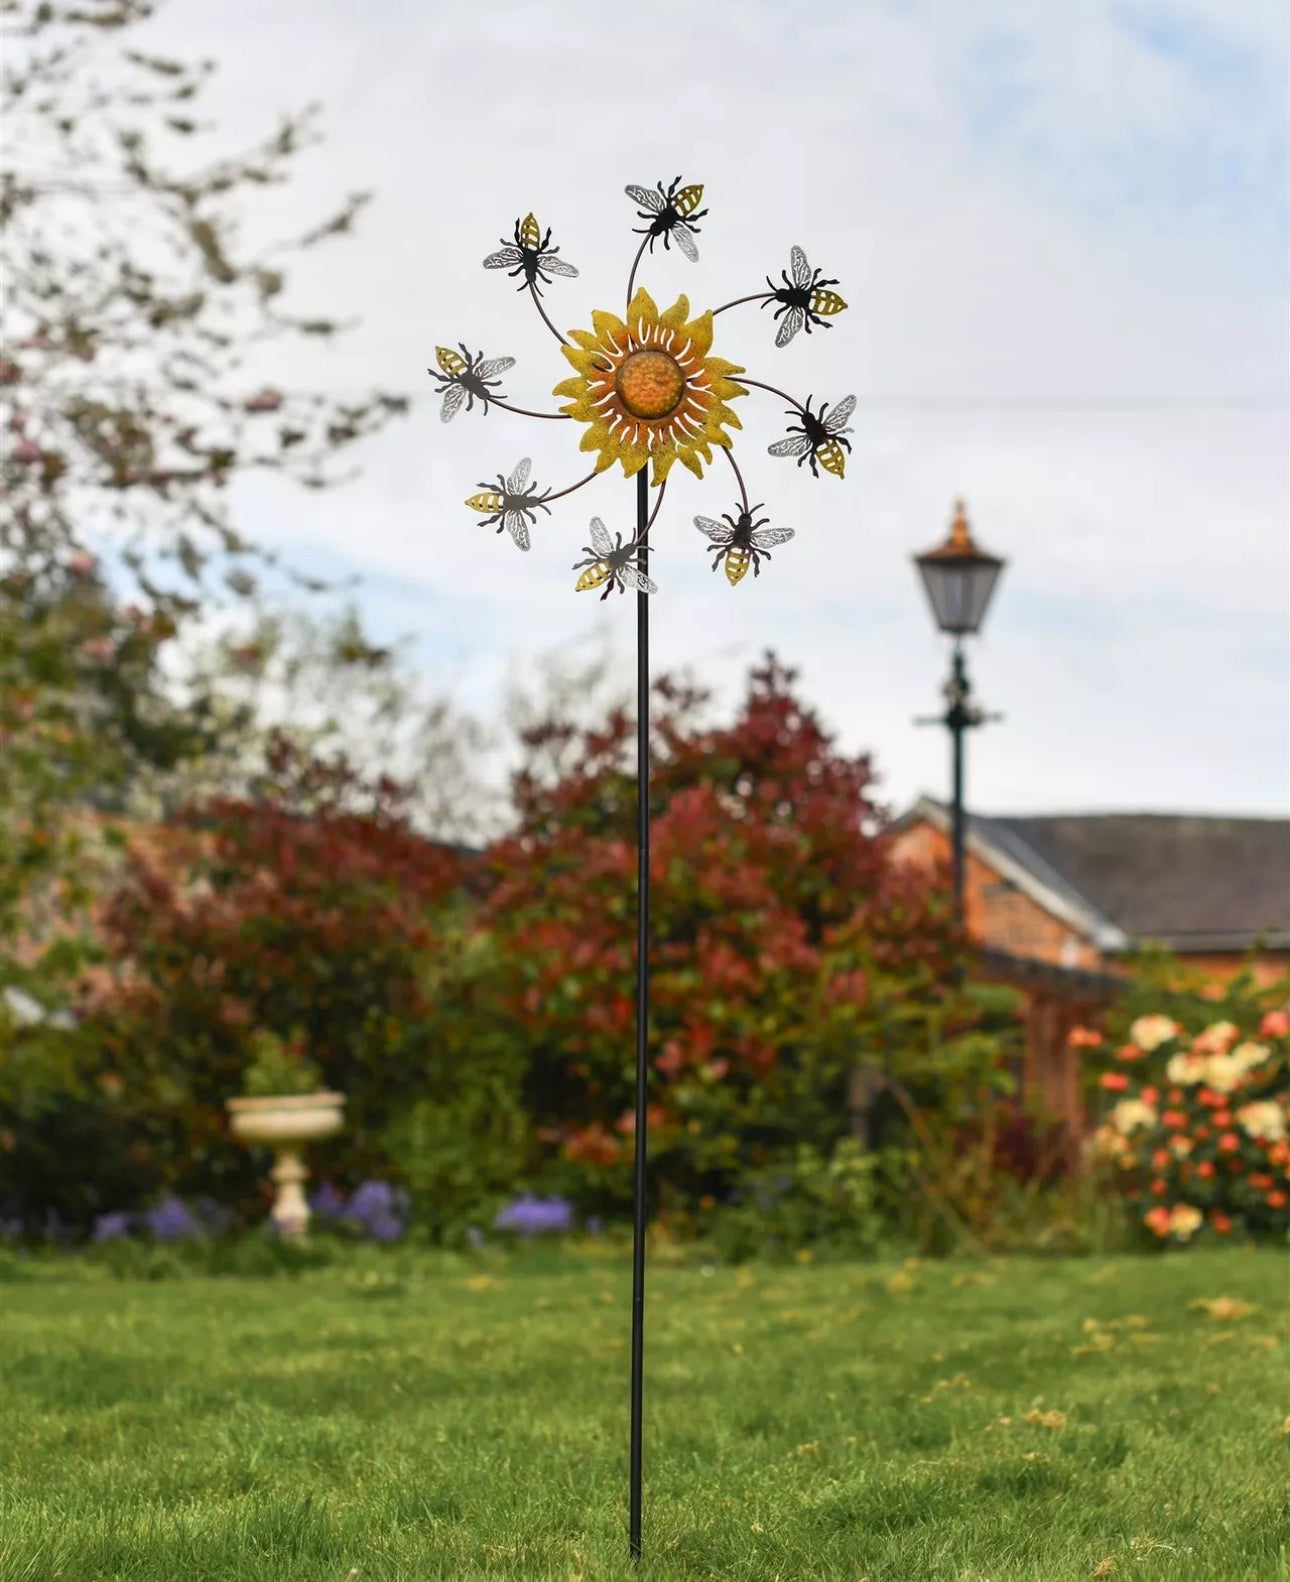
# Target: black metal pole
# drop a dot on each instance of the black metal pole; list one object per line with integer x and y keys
{"x": 956, "y": 719}
{"x": 642, "y": 1010}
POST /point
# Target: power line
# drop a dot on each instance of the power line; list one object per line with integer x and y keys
{"x": 1074, "y": 404}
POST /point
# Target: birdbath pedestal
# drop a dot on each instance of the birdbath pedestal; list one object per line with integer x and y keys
{"x": 286, "y": 1124}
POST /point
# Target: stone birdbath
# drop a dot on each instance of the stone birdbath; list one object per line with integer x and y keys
{"x": 284, "y": 1108}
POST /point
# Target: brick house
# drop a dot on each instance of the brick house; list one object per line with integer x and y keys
{"x": 1060, "y": 904}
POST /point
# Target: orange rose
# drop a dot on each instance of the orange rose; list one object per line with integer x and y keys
{"x": 1114, "y": 1081}
{"x": 1229, "y": 1142}
{"x": 1276, "y": 1199}
{"x": 1175, "y": 1095}
{"x": 1260, "y": 1183}
{"x": 1161, "y": 1159}
{"x": 1276, "y": 1024}
{"x": 1173, "y": 1118}
{"x": 1084, "y": 1038}
{"x": 1205, "y": 1169}
{"x": 1201, "y": 1133}
{"x": 1220, "y": 1222}
{"x": 1222, "y": 1117}
{"x": 1159, "y": 1187}
{"x": 1158, "y": 1220}
{"x": 1150, "y": 1095}
{"x": 1129, "y": 1052}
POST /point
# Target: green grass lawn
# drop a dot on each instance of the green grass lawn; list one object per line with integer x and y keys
{"x": 412, "y": 1418}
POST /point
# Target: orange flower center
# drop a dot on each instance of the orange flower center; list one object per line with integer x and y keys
{"x": 650, "y": 384}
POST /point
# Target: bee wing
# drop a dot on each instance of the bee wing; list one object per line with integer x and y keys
{"x": 494, "y": 366}
{"x": 840, "y": 413}
{"x": 600, "y": 539}
{"x": 794, "y": 445}
{"x": 636, "y": 579}
{"x": 801, "y": 269}
{"x": 515, "y": 483}
{"x": 718, "y": 532}
{"x": 517, "y": 527}
{"x": 453, "y": 396}
{"x": 506, "y": 258}
{"x": 683, "y": 236}
{"x": 557, "y": 266}
{"x": 768, "y": 537}
{"x": 789, "y": 325}
{"x": 646, "y": 199}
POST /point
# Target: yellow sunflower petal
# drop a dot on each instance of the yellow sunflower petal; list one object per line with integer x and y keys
{"x": 643, "y": 310}
{"x": 609, "y": 327}
{"x": 675, "y": 316}
{"x": 700, "y": 332}
{"x": 690, "y": 460}
{"x": 663, "y": 460}
{"x": 633, "y": 458}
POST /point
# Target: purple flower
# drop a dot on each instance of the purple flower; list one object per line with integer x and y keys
{"x": 534, "y": 1216}
{"x": 111, "y": 1227}
{"x": 378, "y": 1210}
{"x": 169, "y": 1220}
{"x": 328, "y": 1202}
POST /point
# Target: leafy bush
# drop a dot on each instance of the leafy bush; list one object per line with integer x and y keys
{"x": 785, "y": 947}
{"x": 305, "y": 914}
{"x": 827, "y": 1204}
{"x": 278, "y": 1068}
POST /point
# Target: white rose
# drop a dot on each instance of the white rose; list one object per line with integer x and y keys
{"x": 1129, "y": 1114}
{"x": 1264, "y": 1121}
{"x": 1149, "y": 1032}
{"x": 1250, "y": 1054}
{"x": 1224, "y": 1073}
{"x": 1186, "y": 1069}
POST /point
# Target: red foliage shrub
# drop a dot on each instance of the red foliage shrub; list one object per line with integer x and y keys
{"x": 784, "y": 944}
{"x": 306, "y": 908}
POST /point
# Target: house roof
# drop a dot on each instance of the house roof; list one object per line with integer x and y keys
{"x": 1189, "y": 882}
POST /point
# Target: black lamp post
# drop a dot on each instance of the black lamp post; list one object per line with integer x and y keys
{"x": 959, "y": 578}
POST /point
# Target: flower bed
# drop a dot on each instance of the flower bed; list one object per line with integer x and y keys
{"x": 1199, "y": 1131}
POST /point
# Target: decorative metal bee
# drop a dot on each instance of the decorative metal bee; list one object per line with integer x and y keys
{"x": 530, "y": 255}
{"x": 741, "y": 541}
{"x": 804, "y": 300}
{"x": 671, "y": 215}
{"x": 466, "y": 378}
{"x": 510, "y": 504}
{"x": 819, "y": 437}
{"x": 610, "y": 563}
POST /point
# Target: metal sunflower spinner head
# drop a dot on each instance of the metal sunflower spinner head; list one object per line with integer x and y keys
{"x": 649, "y": 392}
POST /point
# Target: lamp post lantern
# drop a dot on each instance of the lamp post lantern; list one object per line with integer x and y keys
{"x": 960, "y": 579}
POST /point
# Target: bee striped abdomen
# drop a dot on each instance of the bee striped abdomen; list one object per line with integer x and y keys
{"x": 737, "y": 563}
{"x": 831, "y": 458}
{"x": 593, "y": 577}
{"x": 826, "y": 303}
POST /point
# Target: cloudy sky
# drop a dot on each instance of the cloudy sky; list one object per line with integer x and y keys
{"x": 1062, "y": 233}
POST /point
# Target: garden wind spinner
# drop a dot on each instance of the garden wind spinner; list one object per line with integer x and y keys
{"x": 648, "y": 391}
